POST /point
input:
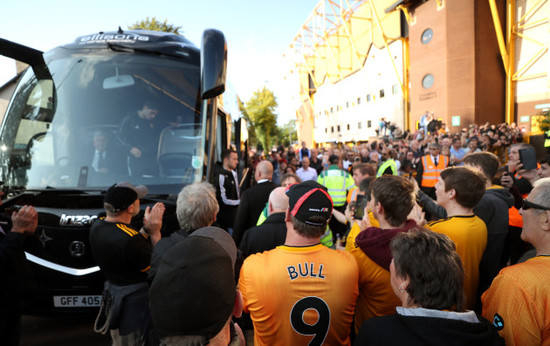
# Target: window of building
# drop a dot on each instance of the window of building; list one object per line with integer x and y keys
{"x": 369, "y": 97}
{"x": 358, "y": 100}
{"x": 331, "y": 110}
{"x": 337, "y": 108}
{"x": 338, "y": 128}
{"x": 347, "y": 104}
{"x": 332, "y": 129}
{"x": 428, "y": 81}
{"x": 381, "y": 93}
{"x": 359, "y": 125}
{"x": 348, "y": 127}
{"x": 427, "y": 36}
{"x": 395, "y": 89}
{"x": 369, "y": 123}
{"x": 326, "y": 130}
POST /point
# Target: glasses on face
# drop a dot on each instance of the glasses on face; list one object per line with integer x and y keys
{"x": 528, "y": 205}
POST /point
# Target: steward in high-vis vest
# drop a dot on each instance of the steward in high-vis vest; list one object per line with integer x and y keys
{"x": 338, "y": 182}
{"x": 430, "y": 169}
{"x": 388, "y": 165}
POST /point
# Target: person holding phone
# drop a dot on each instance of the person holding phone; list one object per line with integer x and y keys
{"x": 519, "y": 182}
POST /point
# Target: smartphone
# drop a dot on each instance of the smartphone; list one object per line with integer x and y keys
{"x": 528, "y": 158}
{"x": 360, "y": 205}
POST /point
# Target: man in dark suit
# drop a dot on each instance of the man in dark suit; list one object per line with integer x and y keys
{"x": 105, "y": 159}
{"x": 272, "y": 232}
{"x": 253, "y": 200}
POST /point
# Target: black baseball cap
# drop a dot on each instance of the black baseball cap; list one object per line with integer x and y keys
{"x": 193, "y": 292}
{"x": 121, "y": 195}
{"x": 309, "y": 200}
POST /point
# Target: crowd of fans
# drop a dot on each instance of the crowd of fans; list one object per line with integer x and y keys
{"x": 425, "y": 237}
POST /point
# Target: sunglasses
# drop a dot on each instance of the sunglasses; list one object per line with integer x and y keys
{"x": 528, "y": 205}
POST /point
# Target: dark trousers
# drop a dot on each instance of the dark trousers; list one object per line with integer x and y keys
{"x": 336, "y": 227}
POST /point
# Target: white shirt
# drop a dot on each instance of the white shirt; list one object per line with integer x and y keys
{"x": 95, "y": 161}
{"x": 309, "y": 174}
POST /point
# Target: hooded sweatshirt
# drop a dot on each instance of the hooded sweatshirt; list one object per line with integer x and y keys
{"x": 375, "y": 243}
{"x": 428, "y": 327}
{"x": 493, "y": 210}
{"x": 372, "y": 253}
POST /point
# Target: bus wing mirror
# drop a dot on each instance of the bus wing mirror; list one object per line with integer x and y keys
{"x": 213, "y": 63}
{"x": 27, "y": 55}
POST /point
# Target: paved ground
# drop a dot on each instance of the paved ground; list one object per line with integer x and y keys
{"x": 61, "y": 331}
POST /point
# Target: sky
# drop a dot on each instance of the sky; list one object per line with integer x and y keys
{"x": 257, "y": 32}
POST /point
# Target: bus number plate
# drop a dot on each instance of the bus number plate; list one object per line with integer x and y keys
{"x": 76, "y": 301}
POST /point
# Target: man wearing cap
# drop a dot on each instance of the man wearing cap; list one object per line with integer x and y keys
{"x": 430, "y": 168}
{"x": 123, "y": 255}
{"x": 193, "y": 296}
{"x": 301, "y": 292}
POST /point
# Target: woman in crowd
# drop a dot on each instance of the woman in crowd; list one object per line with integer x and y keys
{"x": 427, "y": 276}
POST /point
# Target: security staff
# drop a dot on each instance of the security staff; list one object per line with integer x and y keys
{"x": 430, "y": 169}
{"x": 338, "y": 182}
{"x": 388, "y": 165}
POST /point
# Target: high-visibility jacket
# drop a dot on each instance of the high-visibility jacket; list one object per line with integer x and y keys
{"x": 337, "y": 182}
{"x": 352, "y": 194}
{"x": 431, "y": 171}
{"x": 514, "y": 217}
{"x": 388, "y": 163}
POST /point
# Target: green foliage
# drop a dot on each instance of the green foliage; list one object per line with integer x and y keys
{"x": 288, "y": 133}
{"x": 260, "y": 112}
{"x": 154, "y": 25}
{"x": 252, "y": 138}
{"x": 544, "y": 120}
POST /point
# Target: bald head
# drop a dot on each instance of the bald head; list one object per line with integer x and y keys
{"x": 278, "y": 201}
{"x": 264, "y": 170}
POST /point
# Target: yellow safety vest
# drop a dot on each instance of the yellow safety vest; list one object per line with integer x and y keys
{"x": 337, "y": 182}
{"x": 385, "y": 165}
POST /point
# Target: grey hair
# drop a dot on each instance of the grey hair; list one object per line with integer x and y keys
{"x": 542, "y": 197}
{"x": 197, "y": 206}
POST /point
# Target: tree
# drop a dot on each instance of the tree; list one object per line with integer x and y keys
{"x": 154, "y": 25}
{"x": 260, "y": 110}
{"x": 288, "y": 133}
{"x": 252, "y": 139}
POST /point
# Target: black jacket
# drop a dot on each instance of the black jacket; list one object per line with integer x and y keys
{"x": 12, "y": 278}
{"x": 252, "y": 203}
{"x": 264, "y": 237}
{"x": 226, "y": 215}
{"x": 412, "y": 330}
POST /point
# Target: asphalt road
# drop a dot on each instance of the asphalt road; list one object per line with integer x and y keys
{"x": 65, "y": 330}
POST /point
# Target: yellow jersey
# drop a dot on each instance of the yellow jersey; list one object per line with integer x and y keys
{"x": 518, "y": 302}
{"x": 300, "y": 295}
{"x": 469, "y": 233}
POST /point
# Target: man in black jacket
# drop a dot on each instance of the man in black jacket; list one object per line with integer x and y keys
{"x": 12, "y": 273}
{"x": 253, "y": 200}
{"x": 272, "y": 232}
{"x": 227, "y": 190}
